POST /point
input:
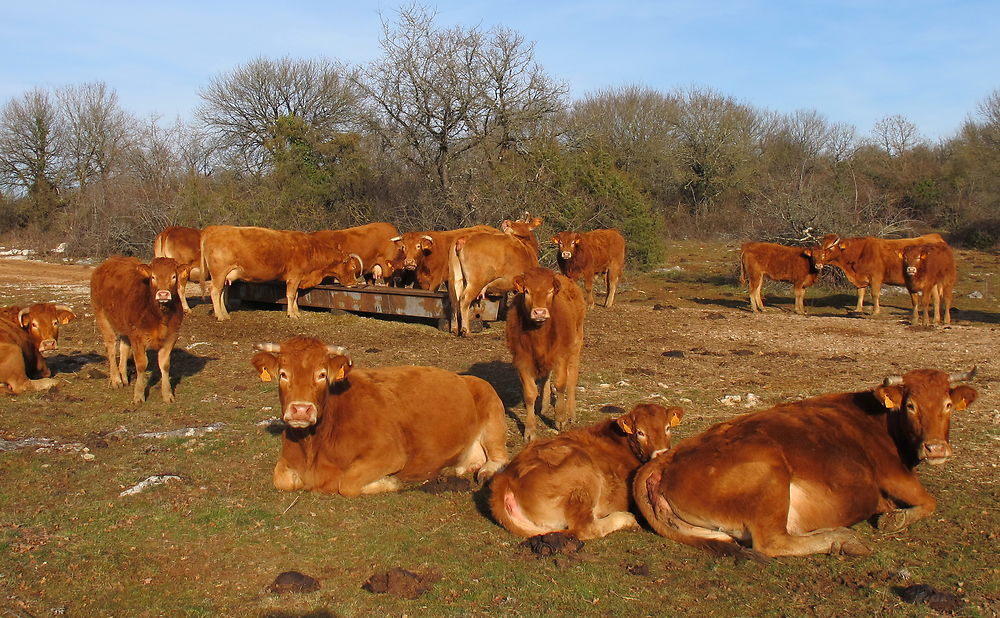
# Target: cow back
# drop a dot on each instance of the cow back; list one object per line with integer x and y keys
{"x": 432, "y": 270}
{"x": 181, "y": 243}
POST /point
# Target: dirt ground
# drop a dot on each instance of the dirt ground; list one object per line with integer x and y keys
{"x": 682, "y": 335}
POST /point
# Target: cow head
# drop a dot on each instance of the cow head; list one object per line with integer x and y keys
{"x": 305, "y": 369}
{"x": 536, "y": 288}
{"x": 567, "y": 242}
{"x": 42, "y": 321}
{"x": 165, "y": 276}
{"x": 413, "y": 246}
{"x": 920, "y": 404}
{"x": 813, "y": 254}
{"x": 520, "y": 228}
{"x": 347, "y": 270}
{"x": 828, "y": 252}
{"x": 912, "y": 258}
{"x": 648, "y": 427}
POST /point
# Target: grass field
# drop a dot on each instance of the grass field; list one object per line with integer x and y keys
{"x": 212, "y": 542}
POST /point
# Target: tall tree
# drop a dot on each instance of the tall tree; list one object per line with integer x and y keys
{"x": 30, "y": 147}
{"x": 97, "y": 131}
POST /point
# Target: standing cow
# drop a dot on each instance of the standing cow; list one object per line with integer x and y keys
{"x": 370, "y": 242}
{"x": 794, "y": 265}
{"x": 363, "y": 431}
{"x": 788, "y": 481}
{"x": 578, "y": 481}
{"x": 183, "y": 244}
{"x": 425, "y": 254}
{"x": 136, "y": 307}
{"x": 26, "y": 335}
{"x": 545, "y": 336}
{"x": 868, "y": 261}
{"x": 584, "y": 256}
{"x": 930, "y": 270}
{"x": 486, "y": 261}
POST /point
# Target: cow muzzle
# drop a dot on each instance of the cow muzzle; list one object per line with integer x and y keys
{"x": 911, "y": 270}
{"x": 163, "y": 296}
{"x": 936, "y": 452}
{"x": 410, "y": 264}
{"x": 48, "y": 345}
{"x": 300, "y": 414}
{"x": 567, "y": 255}
{"x": 540, "y": 314}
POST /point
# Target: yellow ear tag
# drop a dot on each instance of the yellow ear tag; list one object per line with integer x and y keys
{"x": 340, "y": 374}
{"x": 625, "y": 427}
{"x": 264, "y": 375}
{"x": 675, "y": 421}
{"x": 887, "y": 402}
{"x": 961, "y": 405}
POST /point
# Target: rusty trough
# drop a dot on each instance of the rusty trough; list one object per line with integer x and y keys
{"x": 372, "y": 299}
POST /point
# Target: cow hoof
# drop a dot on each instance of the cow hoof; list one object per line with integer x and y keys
{"x": 529, "y": 435}
{"x": 893, "y": 521}
{"x": 487, "y": 471}
{"x": 168, "y": 398}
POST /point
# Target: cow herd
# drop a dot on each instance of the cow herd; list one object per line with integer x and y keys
{"x": 790, "y": 480}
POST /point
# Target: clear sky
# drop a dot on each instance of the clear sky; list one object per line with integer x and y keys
{"x": 854, "y": 61}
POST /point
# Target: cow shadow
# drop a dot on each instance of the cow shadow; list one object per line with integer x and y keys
{"x": 183, "y": 364}
{"x": 72, "y": 363}
{"x": 974, "y": 315}
{"x": 505, "y": 381}
{"x": 729, "y": 303}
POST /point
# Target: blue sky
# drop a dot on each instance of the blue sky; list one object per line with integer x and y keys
{"x": 853, "y": 61}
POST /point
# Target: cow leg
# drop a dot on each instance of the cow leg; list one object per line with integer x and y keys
{"x": 937, "y": 303}
{"x": 611, "y": 283}
{"x": 581, "y": 504}
{"x": 141, "y": 377}
{"x": 756, "y": 302}
{"x": 564, "y": 378}
{"x": 603, "y": 526}
{"x": 355, "y": 481}
{"x": 182, "y": 282}
{"x": 876, "y": 296}
{"x": 292, "y": 297}
{"x": 110, "y": 348}
{"x": 492, "y": 439}
{"x": 218, "y": 283}
{"x": 860, "y": 308}
{"x": 588, "y": 287}
{"x": 12, "y": 370}
{"x": 285, "y": 478}
{"x": 946, "y": 292}
{"x": 917, "y": 300}
{"x": 800, "y": 300}
{"x": 124, "y": 353}
{"x": 529, "y": 392}
{"x": 383, "y": 485}
{"x": 905, "y": 487}
{"x": 163, "y": 360}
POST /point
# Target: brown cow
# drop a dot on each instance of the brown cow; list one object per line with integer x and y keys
{"x": 370, "y": 242}
{"x": 868, "y": 261}
{"x": 794, "y": 265}
{"x": 26, "y": 335}
{"x": 362, "y": 431}
{"x": 486, "y": 261}
{"x": 790, "y": 480}
{"x": 578, "y": 482}
{"x": 259, "y": 254}
{"x": 545, "y": 336}
{"x": 136, "y": 307}
{"x": 425, "y": 254}
{"x": 930, "y": 270}
{"x": 184, "y": 245}
{"x": 586, "y": 255}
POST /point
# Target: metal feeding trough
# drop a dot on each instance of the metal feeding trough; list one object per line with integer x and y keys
{"x": 430, "y": 305}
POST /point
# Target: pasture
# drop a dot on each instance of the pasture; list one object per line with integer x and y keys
{"x": 212, "y": 542}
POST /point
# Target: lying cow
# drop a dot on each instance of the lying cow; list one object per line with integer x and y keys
{"x": 868, "y": 261}
{"x": 788, "y": 481}
{"x": 362, "y": 431}
{"x": 545, "y": 336}
{"x": 183, "y": 244}
{"x": 259, "y": 255}
{"x": 136, "y": 307}
{"x": 486, "y": 261}
{"x": 794, "y": 265}
{"x": 930, "y": 271}
{"x": 584, "y": 256}
{"x": 425, "y": 254}
{"x": 578, "y": 481}
{"x": 26, "y": 335}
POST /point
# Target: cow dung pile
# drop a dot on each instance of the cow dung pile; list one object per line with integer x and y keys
{"x": 401, "y": 583}
{"x": 293, "y": 581}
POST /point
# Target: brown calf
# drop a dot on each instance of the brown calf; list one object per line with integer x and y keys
{"x": 258, "y": 255}
{"x": 586, "y": 255}
{"x": 425, "y": 254}
{"x": 184, "y": 245}
{"x": 868, "y": 261}
{"x": 136, "y": 307}
{"x": 790, "y": 480}
{"x": 930, "y": 270}
{"x": 579, "y": 481}
{"x": 26, "y": 335}
{"x": 545, "y": 336}
{"x": 794, "y": 265}
{"x": 362, "y": 431}
{"x": 486, "y": 261}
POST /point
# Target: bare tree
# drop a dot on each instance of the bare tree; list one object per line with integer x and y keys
{"x": 97, "y": 132}
{"x": 30, "y": 148}
{"x": 896, "y": 135}
{"x": 241, "y": 109}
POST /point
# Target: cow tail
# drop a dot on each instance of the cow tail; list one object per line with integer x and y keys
{"x": 158, "y": 243}
{"x": 676, "y": 529}
{"x": 506, "y": 510}
{"x": 203, "y": 264}
{"x": 743, "y": 278}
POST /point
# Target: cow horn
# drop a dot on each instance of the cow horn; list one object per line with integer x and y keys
{"x": 273, "y": 348}
{"x": 63, "y": 308}
{"x": 20, "y": 315}
{"x": 427, "y": 237}
{"x": 396, "y": 239}
{"x": 831, "y": 244}
{"x": 361, "y": 263}
{"x": 963, "y": 376}
{"x": 892, "y": 381}
{"x": 340, "y": 350}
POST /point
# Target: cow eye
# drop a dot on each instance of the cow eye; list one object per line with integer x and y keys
{"x": 282, "y": 375}
{"x": 911, "y": 408}
{"x": 321, "y": 376}
{"x": 641, "y": 433}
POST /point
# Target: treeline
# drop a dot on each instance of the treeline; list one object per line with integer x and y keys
{"x": 459, "y": 126}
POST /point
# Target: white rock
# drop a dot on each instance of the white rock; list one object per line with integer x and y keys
{"x": 150, "y": 481}
{"x": 976, "y": 294}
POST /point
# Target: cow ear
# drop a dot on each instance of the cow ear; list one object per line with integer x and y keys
{"x": 338, "y": 367}
{"x": 184, "y": 271}
{"x": 535, "y": 222}
{"x": 962, "y": 396}
{"x": 890, "y": 396}
{"x": 554, "y": 240}
{"x": 625, "y": 423}
{"x": 266, "y": 365}
{"x": 842, "y": 245}
{"x": 506, "y": 225}
{"x": 144, "y": 271}
{"x": 65, "y": 316}
{"x": 676, "y": 414}
{"x": 899, "y": 253}
{"x": 519, "y": 284}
